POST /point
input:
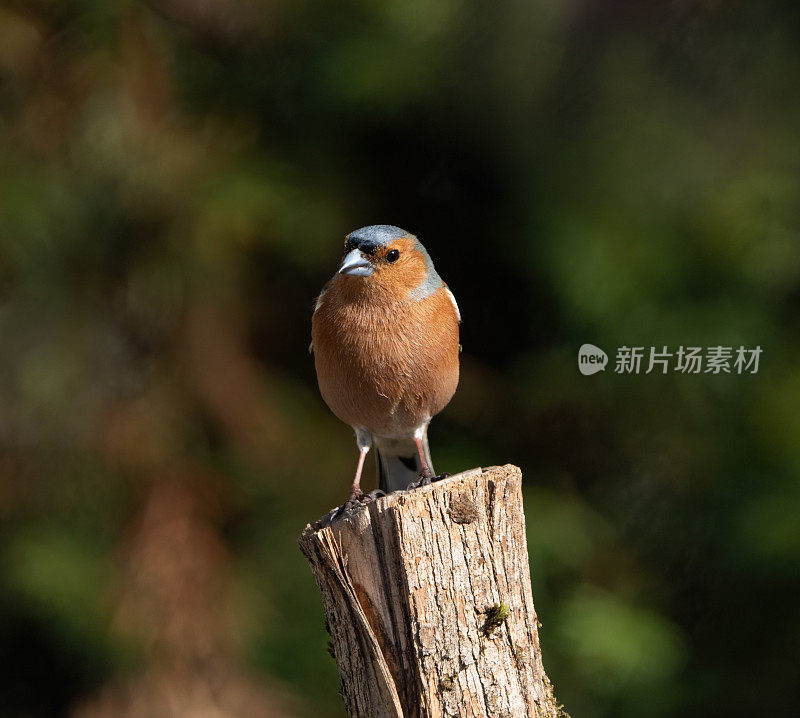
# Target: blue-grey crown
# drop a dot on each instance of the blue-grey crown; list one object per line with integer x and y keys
{"x": 368, "y": 239}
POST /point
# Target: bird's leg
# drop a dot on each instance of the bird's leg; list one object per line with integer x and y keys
{"x": 355, "y": 492}
{"x": 425, "y": 473}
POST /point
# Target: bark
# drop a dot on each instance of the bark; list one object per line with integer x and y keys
{"x": 428, "y": 599}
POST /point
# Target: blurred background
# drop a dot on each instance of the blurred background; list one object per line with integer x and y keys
{"x": 176, "y": 180}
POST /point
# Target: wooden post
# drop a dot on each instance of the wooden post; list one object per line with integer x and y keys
{"x": 428, "y": 599}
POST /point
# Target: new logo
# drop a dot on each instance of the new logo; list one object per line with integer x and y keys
{"x": 591, "y": 359}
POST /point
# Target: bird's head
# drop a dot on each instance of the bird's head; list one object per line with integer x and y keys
{"x": 389, "y": 257}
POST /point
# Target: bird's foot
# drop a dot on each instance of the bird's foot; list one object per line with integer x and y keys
{"x": 357, "y": 499}
{"x": 426, "y": 479}
{"x": 356, "y": 495}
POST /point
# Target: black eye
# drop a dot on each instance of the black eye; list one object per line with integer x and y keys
{"x": 392, "y": 255}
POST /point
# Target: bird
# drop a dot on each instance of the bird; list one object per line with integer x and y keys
{"x": 385, "y": 340}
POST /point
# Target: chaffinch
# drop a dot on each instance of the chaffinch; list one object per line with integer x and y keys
{"x": 385, "y": 342}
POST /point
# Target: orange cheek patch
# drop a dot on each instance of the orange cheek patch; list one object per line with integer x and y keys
{"x": 412, "y": 272}
{"x": 408, "y": 272}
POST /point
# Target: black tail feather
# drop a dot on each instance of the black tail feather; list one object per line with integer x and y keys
{"x": 398, "y": 462}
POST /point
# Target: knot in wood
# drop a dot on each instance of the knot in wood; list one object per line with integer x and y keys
{"x": 463, "y": 509}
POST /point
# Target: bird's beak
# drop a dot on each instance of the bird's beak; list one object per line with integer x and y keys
{"x": 356, "y": 264}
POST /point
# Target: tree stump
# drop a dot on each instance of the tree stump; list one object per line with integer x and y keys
{"x": 428, "y": 600}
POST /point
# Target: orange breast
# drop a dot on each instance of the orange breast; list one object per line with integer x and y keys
{"x": 384, "y": 364}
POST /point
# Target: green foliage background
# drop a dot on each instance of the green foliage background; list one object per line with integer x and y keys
{"x": 175, "y": 182}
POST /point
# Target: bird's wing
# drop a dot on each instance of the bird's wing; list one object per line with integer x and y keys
{"x": 317, "y": 305}
{"x": 455, "y": 303}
